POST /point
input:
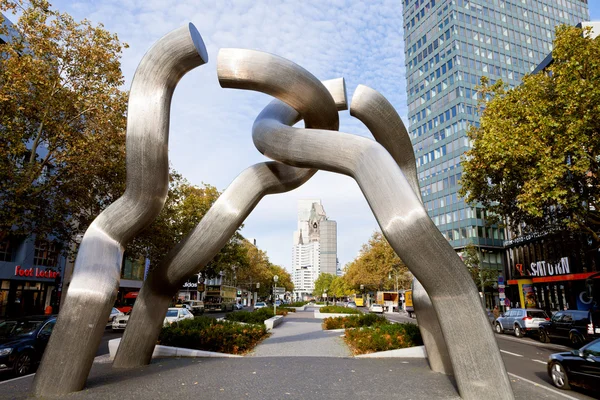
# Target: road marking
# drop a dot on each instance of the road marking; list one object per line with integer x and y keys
{"x": 16, "y": 379}
{"x": 540, "y": 361}
{"x": 512, "y": 354}
{"x": 543, "y": 387}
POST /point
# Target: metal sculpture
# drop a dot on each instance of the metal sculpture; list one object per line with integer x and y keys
{"x": 385, "y": 172}
{"x": 399, "y": 212}
{"x": 380, "y": 117}
{"x": 93, "y": 290}
{"x": 220, "y": 223}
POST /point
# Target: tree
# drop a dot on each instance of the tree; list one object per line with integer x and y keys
{"x": 483, "y": 277}
{"x": 322, "y": 284}
{"x": 186, "y": 205}
{"x": 374, "y": 265}
{"x": 535, "y": 154}
{"x": 339, "y": 288}
{"x": 62, "y": 123}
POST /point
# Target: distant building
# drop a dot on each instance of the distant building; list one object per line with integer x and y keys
{"x": 315, "y": 247}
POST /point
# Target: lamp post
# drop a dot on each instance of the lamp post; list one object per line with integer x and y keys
{"x": 275, "y": 279}
{"x": 362, "y": 293}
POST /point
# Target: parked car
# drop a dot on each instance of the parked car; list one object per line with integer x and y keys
{"x": 196, "y": 307}
{"x": 579, "y": 327}
{"x": 176, "y": 314}
{"x": 521, "y": 321}
{"x": 120, "y": 322}
{"x": 260, "y": 304}
{"x": 578, "y": 367}
{"x": 114, "y": 313}
{"x": 376, "y": 308}
{"x": 351, "y": 304}
{"x": 239, "y": 306}
{"x": 23, "y": 341}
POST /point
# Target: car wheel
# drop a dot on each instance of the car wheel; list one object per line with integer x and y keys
{"x": 576, "y": 340}
{"x": 498, "y": 328}
{"x": 519, "y": 331}
{"x": 544, "y": 338}
{"x": 23, "y": 364}
{"x": 559, "y": 376}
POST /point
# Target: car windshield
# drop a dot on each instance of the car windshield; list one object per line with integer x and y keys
{"x": 15, "y": 328}
{"x": 171, "y": 313}
{"x": 537, "y": 314}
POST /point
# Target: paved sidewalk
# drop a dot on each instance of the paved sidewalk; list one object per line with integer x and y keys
{"x": 301, "y": 335}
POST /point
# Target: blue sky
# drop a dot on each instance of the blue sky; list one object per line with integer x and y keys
{"x": 210, "y": 138}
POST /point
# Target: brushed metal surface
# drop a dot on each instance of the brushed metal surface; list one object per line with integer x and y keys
{"x": 218, "y": 225}
{"x": 93, "y": 290}
{"x": 476, "y": 361}
{"x": 380, "y": 117}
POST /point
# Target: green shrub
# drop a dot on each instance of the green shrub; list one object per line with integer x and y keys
{"x": 253, "y": 317}
{"x": 339, "y": 310}
{"x": 285, "y": 310}
{"x": 383, "y": 337}
{"x": 354, "y": 321}
{"x": 204, "y": 333}
{"x": 297, "y": 304}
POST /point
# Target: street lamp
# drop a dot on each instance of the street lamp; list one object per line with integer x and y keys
{"x": 362, "y": 293}
{"x": 275, "y": 279}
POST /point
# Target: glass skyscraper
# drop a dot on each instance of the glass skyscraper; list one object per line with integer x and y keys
{"x": 449, "y": 45}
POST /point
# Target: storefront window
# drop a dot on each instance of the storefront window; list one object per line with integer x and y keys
{"x": 5, "y": 251}
{"x": 4, "y": 289}
{"x": 133, "y": 269}
{"x": 46, "y": 253}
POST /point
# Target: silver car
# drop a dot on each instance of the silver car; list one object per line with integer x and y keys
{"x": 521, "y": 321}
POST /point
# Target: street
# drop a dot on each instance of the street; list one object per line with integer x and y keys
{"x": 524, "y": 358}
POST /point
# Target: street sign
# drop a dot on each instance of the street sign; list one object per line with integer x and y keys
{"x": 500, "y": 290}
{"x": 501, "y": 286}
{"x": 502, "y": 295}
{"x": 500, "y": 280}
{"x": 507, "y": 302}
{"x": 279, "y": 290}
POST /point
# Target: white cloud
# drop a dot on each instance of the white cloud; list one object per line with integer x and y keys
{"x": 210, "y": 139}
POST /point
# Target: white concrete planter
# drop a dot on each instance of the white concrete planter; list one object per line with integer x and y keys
{"x": 409, "y": 352}
{"x": 273, "y": 322}
{"x": 168, "y": 351}
{"x": 321, "y": 315}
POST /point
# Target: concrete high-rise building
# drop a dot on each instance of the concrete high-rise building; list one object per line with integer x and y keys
{"x": 315, "y": 247}
{"x": 449, "y": 46}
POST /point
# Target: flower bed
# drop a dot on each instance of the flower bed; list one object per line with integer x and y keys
{"x": 354, "y": 321}
{"x": 204, "y": 333}
{"x": 285, "y": 310}
{"x": 339, "y": 310}
{"x": 382, "y": 338}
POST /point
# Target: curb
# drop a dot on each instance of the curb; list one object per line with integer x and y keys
{"x": 410, "y": 352}
{"x": 168, "y": 351}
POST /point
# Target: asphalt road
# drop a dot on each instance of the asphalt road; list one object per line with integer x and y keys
{"x": 525, "y": 359}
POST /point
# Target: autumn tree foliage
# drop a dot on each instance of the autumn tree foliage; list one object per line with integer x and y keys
{"x": 376, "y": 267}
{"x": 62, "y": 122}
{"x": 256, "y": 268}
{"x": 536, "y": 152}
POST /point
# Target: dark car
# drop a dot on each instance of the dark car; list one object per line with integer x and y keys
{"x": 579, "y": 367}
{"x": 23, "y": 341}
{"x": 579, "y": 327}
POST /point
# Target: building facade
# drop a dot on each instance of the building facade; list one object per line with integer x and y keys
{"x": 315, "y": 247}
{"x": 449, "y": 46}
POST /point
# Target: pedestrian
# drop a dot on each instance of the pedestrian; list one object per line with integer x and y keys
{"x": 496, "y": 312}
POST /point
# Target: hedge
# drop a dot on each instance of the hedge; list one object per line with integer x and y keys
{"x": 383, "y": 337}
{"x": 205, "y": 333}
{"x": 297, "y": 304}
{"x": 339, "y": 310}
{"x": 354, "y": 321}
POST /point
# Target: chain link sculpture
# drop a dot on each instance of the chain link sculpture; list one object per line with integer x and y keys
{"x": 454, "y": 326}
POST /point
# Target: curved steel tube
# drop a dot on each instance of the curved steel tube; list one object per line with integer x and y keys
{"x": 380, "y": 117}
{"x": 214, "y": 230}
{"x": 401, "y": 216}
{"x": 93, "y": 290}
